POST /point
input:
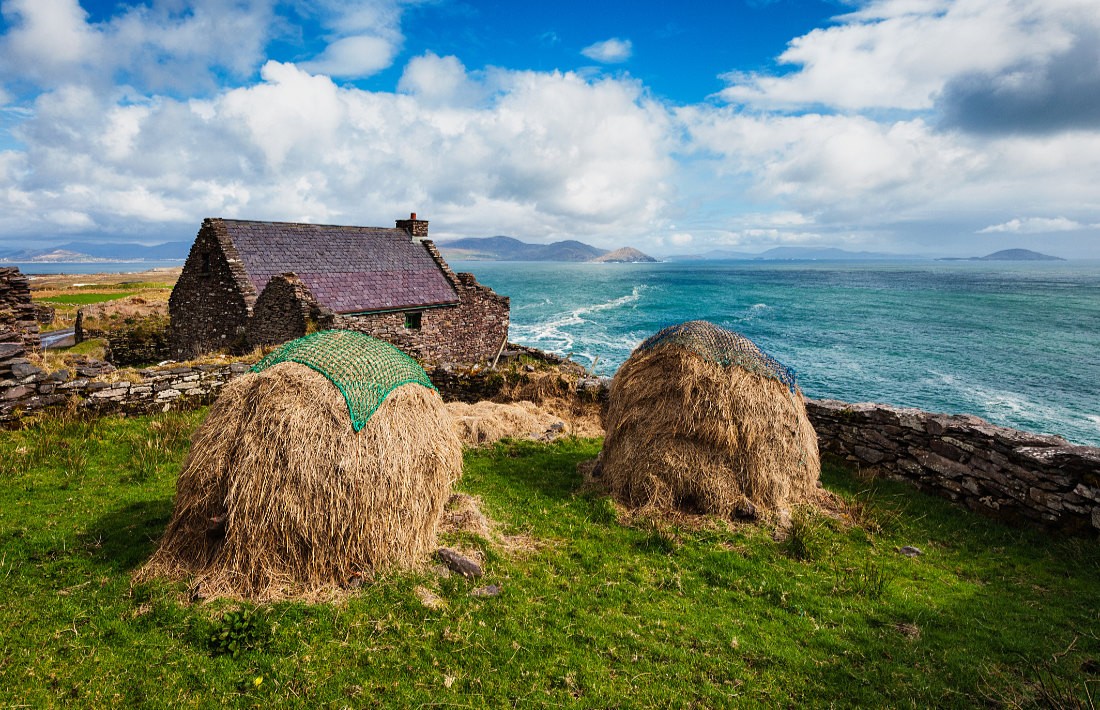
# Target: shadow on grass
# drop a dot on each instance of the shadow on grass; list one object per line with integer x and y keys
{"x": 123, "y": 539}
{"x": 537, "y": 470}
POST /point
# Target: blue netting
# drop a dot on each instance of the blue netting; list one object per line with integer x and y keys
{"x": 722, "y": 346}
{"x": 364, "y": 369}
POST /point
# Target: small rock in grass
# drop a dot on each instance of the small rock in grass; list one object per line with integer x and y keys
{"x": 490, "y": 591}
{"x": 910, "y": 551}
{"x": 459, "y": 563}
{"x": 745, "y": 510}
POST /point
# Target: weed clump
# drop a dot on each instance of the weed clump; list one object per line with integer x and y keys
{"x": 239, "y": 631}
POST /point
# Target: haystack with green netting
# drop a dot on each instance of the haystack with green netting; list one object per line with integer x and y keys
{"x": 701, "y": 420}
{"x": 331, "y": 461}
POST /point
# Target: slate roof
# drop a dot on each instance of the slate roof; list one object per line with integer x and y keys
{"x": 348, "y": 269}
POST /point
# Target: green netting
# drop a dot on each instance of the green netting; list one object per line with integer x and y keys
{"x": 364, "y": 369}
{"x": 722, "y": 346}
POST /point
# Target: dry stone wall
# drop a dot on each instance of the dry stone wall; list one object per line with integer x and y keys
{"x": 1004, "y": 473}
{"x": 18, "y": 315}
{"x": 96, "y": 386}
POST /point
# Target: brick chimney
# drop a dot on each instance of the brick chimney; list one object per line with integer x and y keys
{"x": 417, "y": 228}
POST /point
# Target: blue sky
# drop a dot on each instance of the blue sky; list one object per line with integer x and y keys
{"x": 942, "y": 127}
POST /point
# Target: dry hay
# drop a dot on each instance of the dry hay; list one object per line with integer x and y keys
{"x": 555, "y": 392}
{"x": 485, "y": 422}
{"x": 685, "y": 433}
{"x": 280, "y": 497}
{"x": 538, "y": 387}
{"x": 462, "y": 514}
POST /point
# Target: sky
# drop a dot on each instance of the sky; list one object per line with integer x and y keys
{"x": 933, "y": 127}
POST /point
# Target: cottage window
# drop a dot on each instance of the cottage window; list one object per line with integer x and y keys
{"x": 205, "y": 263}
{"x": 412, "y": 320}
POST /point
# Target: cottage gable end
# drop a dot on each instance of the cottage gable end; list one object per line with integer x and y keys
{"x": 212, "y": 300}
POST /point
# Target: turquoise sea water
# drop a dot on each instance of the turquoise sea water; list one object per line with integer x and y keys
{"x": 1015, "y": 343}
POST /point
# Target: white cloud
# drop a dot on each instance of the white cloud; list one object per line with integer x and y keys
{"x": 853, "y": 175}
{"x": 1035, "y": 225}
{"x": 439, "y": 81}
{"x": 364, "y": 37}
{"x": 610, "y": 51}
{"x": 168, "y": 45}
{"x": 358, "y": 56}
{"x": 48, "y": 36}
{"x": 847, "y": 167}
{"x": 901, "y": 54}
{"x": 541, "y": 154}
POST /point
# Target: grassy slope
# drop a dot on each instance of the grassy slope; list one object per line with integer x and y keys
{"x": 601, "y": 615}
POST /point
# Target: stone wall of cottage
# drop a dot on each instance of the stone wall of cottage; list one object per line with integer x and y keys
{"x": 1004, "y": 473}
{"x": 212, "y": 300}
{"x": 18, "y": 316}
{"x": 472, "y": 331}
{"x": 285, "y": 310}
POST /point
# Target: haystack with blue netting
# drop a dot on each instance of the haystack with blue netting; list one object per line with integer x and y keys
{"x": 700, "y": 419}
{"x": 330, "y": 461}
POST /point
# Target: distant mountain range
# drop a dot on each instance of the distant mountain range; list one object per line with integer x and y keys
{"x": 80, "y": 252}
{"x": 503, "y": 249}
{"x": 511, "y": 249}
{"x": 1010, "y": 255}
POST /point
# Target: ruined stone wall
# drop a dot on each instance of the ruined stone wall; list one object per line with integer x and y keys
{"x": 18, "y": 317}
{"x": 1003, "y": 473}
{"x": 212, "y": 300}
{"x": 95, "y": 386}
{"x": 284, "y": 311}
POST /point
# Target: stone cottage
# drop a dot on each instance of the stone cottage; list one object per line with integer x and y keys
{"x": 251, "y": 283}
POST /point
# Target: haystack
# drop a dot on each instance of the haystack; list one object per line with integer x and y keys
{"x": 299, "y": 483}
{"x": 701, "y": 420}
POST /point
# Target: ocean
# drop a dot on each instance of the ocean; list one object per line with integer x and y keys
{"x": 1017, "y": 343}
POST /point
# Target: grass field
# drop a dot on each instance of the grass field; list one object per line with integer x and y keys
{"x": 84, "y": 299}
{"x": 597, "y": 613}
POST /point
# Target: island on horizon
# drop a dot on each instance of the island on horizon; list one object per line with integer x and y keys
{"x": 1007, "y": 255}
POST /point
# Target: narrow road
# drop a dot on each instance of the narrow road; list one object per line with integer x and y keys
{"x": 63, "y": 338}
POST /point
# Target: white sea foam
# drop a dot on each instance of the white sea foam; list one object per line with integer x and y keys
{"x": 1011, "y": 408}
{"x": 752, "y": 312}
{"x": 554, "y": 333}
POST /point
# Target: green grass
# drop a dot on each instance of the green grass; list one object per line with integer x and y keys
{"x": 84, "y": 299}
{"x": 600, "y": 615}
